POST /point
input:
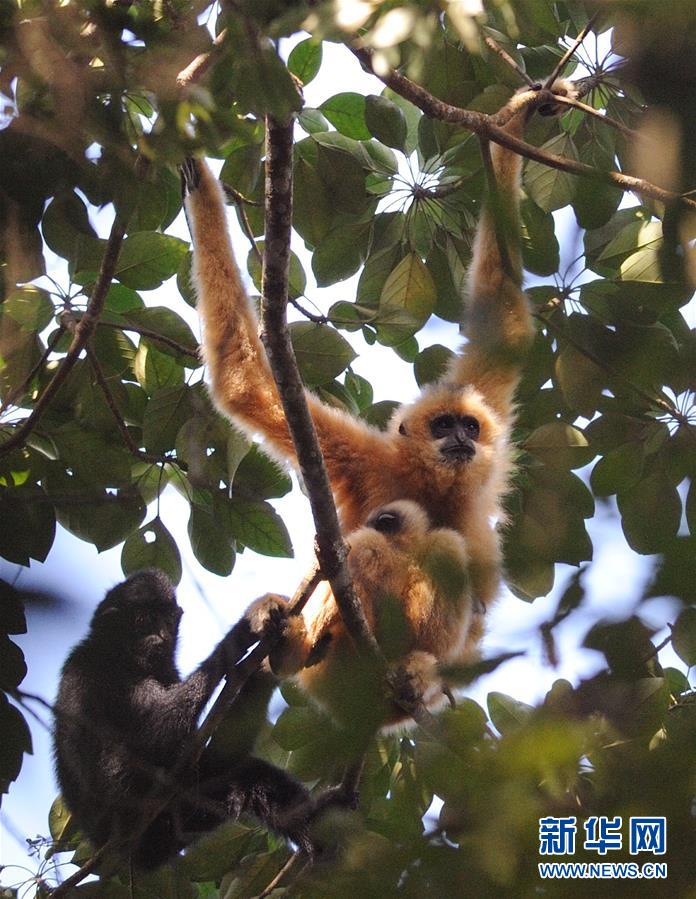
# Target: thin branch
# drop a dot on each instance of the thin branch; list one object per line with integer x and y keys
{"x": 195, "y": 70}
{"x": 236, "y": 197}
{"x": 20, "y": 388}
{"x": 83, "y": 332}
{"x": 505, "y": 56}
{"x": 153, "y": 335}
{"x": 488, "y": 126}
{"x": 653, "y": 401}
{"x": 120, "y": 423}
{"x": 608, "y": 120}
{"x": 560, "y": 65}
{"x": 331, "y": 548}
{"x": 64, "y": 888}
{"x": 288, "y": 866}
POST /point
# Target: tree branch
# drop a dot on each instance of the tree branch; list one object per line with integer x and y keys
{"x": 194, "y": 353}
{"x": 120, "y": 423}
{"x": 560, "y": 65}
{"x": 489, "y": 126}
{"x": 83, "y": 331}
{"x": 331, "y": 548}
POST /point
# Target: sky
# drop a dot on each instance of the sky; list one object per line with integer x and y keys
{"x": 212, "y": 604}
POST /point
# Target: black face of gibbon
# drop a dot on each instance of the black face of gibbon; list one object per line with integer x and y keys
{"x": 456, "y": 435}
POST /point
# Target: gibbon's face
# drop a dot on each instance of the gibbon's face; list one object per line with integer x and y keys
{"x": 142, "y": 614}
{"x": 400, "y": 518}
{"x": 450, "y": 430}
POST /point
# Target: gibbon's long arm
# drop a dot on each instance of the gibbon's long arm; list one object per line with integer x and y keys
{"x": 497, "y": 322}
{"x": 242, "y": 383}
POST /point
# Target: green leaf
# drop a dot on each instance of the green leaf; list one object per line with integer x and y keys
{"x": 346, "y": 112}
{"x": 619, "y": 470}
{"x": 258, "y": 526}
{"x": 508, "y": 714}
{"x": 385, "y": 121}
{"x": 684, "y": 636}
{"x": 30, "y": 307}
{"x": 551, "y": 188}
{"x": 322, "y": 353}
{"x": 312, "y": 121}
{"x": 104, "y": 519}
{"x": 540, "y": 250}
{"x": 164, "y": 322}
{"x": 650, "y": 513}
{"x": 211, "y": 537}
{"x": 340, "y": 254}
{"x": 431, "y": 364}
{"x": 260, "y": 477}
{"x": 155, "y": 370}
{"x": 297, "y": 280}
{"x": 165, "y": 413}
{"x": 152, "y": 546}
{"x": 559, "y": 445}
{"x": 242, "y": 168}
{"x": 305, "y": 59}
{"x": 407, "y": 300}
{"x": 28, "y": 528}
{"x": 16, "y": 740}
{"x": 64, "y": 221}
{"x": 148, "y": 258}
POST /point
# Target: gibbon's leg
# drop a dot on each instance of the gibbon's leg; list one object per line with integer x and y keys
{"x": 498, "y": 324}
{"x": 242, "y": 383}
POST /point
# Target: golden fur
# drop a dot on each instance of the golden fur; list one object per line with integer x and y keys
{"x": 369, "y": 468}
{"x": 414, "y": 588}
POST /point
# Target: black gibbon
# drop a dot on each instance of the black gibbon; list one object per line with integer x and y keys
{"x": 449, "y": 451}
{"x": 124, "y": 717}
{"x": 413, "y": 585}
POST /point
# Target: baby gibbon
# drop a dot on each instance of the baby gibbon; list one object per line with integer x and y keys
{"x": 413, "y": 585}
{"x": 449, "y": 451}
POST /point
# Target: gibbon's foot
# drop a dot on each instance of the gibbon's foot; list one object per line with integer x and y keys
{"x": 560, "y": 88}
{"x": 190, "y": 176}
{"x": 415, "y": 681}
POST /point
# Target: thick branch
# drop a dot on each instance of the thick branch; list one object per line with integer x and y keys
{"x": 331, "y": 548}
{"x": 83, "y": 332}
{"x": 490, "y": 127}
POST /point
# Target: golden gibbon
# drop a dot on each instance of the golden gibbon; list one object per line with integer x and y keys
{"x": 413, "y": 585}
{"x": 449, "y": 451}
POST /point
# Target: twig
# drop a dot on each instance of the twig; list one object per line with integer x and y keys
{"x": 236, "y": 197}
{"x": 120, "y": 423}
{"x": 82, "y": 872}
{"x": 195, "y": 70}
{"x": 654, "y": 401}
{"x": 487, "y": 126}
{"x": 560, "y": 65}
{"x": 288, "y": 866}
{"x": 660, "y": 646}
{"x": 505, "y": 56}
{"x": 194, "y": 353}
{"x": 20, "y": 388}
{"x": 608, "y": 120}
{"x": 83, "y": 331}
{"x": 331, "y": 548}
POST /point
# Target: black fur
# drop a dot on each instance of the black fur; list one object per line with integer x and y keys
{"x": 124, "y": 716}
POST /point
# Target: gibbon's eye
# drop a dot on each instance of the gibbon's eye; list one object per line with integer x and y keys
{"x": 387, "y": 523}
{"x": 471, "y": 426}
{"x": 402, "y": 428}
{"x": 442, "y": 425}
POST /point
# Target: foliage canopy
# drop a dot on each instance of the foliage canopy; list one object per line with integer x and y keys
{"x": 95, "y": 119}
